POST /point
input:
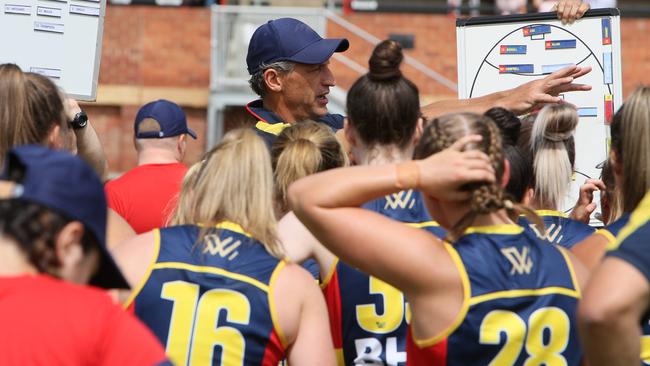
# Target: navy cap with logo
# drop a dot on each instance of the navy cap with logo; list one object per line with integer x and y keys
{"x": 169, "y": 116}
{"x": 65, "y": 184}
{"x": 288, "y": 39}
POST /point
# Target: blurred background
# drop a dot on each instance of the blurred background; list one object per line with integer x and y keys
{"x": 193, "y": 53}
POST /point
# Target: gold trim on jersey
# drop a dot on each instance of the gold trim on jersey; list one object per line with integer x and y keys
{"x": 495, "y": 229}
{"x": 273, "y": 308}
{"x": 569, "y": 263}
{"x": 638, "y": 218}
{"x": 330, "y": 274}
{"x": 147, "y": 274}
{"x": 272, "y": 128}
{"x": 231, "y": 226}
{"x": 509, "y": 294}
{"x": 463, "y": 309}
{"x": 424, "y": 224}
{"x": 212, "y": 270}
{"x": 611, "y": 239}
{"x": 551, "y": 213}
{"x": 340, "y": 360}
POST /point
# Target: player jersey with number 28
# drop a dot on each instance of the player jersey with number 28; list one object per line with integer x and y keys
{"x": 520, "y": 299}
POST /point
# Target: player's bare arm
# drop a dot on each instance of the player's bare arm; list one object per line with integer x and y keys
{"x": 610, "y": 311}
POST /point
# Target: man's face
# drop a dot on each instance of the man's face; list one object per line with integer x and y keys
{"x": 305, "y": 89}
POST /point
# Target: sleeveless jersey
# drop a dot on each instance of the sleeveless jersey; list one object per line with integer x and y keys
{"x": 368, "y": 317}
{"x": 212, "y": 303}
{"x": 520, "y": 299}
{"x": 610, "y": 232}
{"x": 632, "y": 246}
{"x": 559, "y": 229}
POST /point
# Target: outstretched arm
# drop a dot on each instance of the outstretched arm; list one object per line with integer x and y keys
{"x": 609, "y": 314}
{"x": 327, "y": 203}
{"x": 519, "y": 100}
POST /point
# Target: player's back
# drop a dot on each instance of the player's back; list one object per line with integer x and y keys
{"x": 520, "y": 300}
{"x": 369, "y": 317}
{"x": 211, "y": 302}
{"x": 559, "y": 229}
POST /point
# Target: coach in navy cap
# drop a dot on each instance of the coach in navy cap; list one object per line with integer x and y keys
{"x": 289, "y": 67}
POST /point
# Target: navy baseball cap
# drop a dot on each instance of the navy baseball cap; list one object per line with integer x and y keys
{"x": 288, "y": 39}
{"x": 169, "y": 116}
{"x": 64, "y": 183}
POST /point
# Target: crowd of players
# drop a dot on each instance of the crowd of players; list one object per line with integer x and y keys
{"x": 433, "y": 232}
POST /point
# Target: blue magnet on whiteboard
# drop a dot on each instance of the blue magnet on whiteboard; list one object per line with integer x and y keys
{"x": 607, "y": 68}
{"x": 512, "y": 49}
{"x": 547, "y": 69}
{"x": 607, "y": 30}
{"x": 561, "y": 44}
{"x": 537, "y": 29}
{"x": 517, "y": 69}
{"x": 588, "y": 112}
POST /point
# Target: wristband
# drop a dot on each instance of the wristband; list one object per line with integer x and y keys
{"x": 408, "y": 175}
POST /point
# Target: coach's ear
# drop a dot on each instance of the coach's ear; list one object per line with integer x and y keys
{"x": 273, "y": 80}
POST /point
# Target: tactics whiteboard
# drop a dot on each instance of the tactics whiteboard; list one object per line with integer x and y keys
{"x": 501, "y": 52}
{"x": 61, "y": 39}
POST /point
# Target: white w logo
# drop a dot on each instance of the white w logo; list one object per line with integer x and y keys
{"x": 224, "y": 248}
{"x": 521, "y": 262}
{"x": 551, "y": 233}
{"x": 400, "y": 200}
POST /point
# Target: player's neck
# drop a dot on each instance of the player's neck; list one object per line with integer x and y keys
{"x": 381, "y": 155}
{"x": 13, "y": 262}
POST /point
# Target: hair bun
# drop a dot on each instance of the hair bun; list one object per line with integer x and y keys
{"x": 561, "y": 121}
{"x": 508, "y": 123}
{"x": 385, "y": 61}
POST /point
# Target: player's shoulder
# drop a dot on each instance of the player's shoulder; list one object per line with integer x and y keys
{"x": 74, "y": 295}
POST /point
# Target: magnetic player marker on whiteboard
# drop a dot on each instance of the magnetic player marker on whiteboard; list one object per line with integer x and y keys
{"x": 609, "y": 108}
{"x": 84, "y": 10}
{"x": 608, "y": 77}
{"x": 49, "y": 12}
{"x": 48, "y": 27}
{"x": 547, "y": 69}
{"x": 18, "y": 9}
{"x": 517, "y": 69}
{"x": 588, "y": 112}
{"x": 50, "y": 73}
{"x": 607, "y": 30}
{"x": 560, "y": 44}
{"x": 514, "y": 49}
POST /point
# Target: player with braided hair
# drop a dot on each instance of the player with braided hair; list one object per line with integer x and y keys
{"x": 493, "y": 279}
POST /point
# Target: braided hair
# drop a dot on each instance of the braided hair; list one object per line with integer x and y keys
{"x": 486, "y": 198}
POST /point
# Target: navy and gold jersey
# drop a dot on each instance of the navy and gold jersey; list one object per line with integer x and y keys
{"x": 633, "y": 246}
{"x": 368, "y": 317}
{"x": 610, "y": 232}
{"x": 519, "y": 308}
{"x": 211, "y": 303}
{"x": 559, "y": 229}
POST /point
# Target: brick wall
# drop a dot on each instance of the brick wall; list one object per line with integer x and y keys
{"x": 156, "y": 52}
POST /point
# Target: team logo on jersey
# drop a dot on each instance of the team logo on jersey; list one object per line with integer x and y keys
{"x": 520, "y": 260}
{"x": 224, "y": 248}
{"x": 550, "y": 234}
{"x": 402, "y": 200}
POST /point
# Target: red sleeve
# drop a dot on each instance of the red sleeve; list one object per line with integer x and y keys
{"x": 126, "y": 341}
{"x": 113, "y": 198}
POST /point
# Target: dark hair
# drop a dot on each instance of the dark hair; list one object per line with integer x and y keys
{"x": 442, "y": 132}
{"x": 508, "y": 123}
{"x": 521, "y": 169}
{"x": 383, "y": 106}
{"x": 35, "y": 229}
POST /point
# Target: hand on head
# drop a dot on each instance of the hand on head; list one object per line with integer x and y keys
{"x": 443, "y": 173}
